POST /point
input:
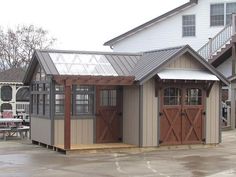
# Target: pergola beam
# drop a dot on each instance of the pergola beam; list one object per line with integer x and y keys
{"x": 94, "y": 80}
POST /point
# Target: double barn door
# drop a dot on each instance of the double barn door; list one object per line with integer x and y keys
{"x": 181, "y": 115}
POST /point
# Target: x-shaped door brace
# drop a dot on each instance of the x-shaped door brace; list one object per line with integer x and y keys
{"x": 193, "y": 124}
{"x": 108, "y": 124}
{"x": 171, "y": 123}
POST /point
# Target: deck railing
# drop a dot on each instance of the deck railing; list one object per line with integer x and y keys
{"x": 23, "y": 106}
{"x": 218, "y": 41}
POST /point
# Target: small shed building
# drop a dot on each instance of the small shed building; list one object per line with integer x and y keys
{"x": 155, "y": 98}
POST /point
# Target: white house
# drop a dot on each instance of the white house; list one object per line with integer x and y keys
{"x": 193, "y": 23}
{"x": 205, "y": 25}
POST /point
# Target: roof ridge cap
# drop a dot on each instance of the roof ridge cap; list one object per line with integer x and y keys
{"x": 165, "y": 49}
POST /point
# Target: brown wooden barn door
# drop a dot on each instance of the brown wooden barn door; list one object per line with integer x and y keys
{"x": 170, "y": 121}
{"x": 108, "y": 114}
{"x": 182, "y": 115}
{"x": 192, "y": 116}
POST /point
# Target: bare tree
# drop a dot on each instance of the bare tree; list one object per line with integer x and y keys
{"x": 17, "y": 46}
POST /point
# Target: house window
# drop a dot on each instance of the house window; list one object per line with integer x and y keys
{"x": 217, "y": 14}
{"x": 221, "y": 13}
{"x": 230, "y": 9}
{"x": 189, "y": 25}
{"x": 84, "y": 100}
{"x": 108, "y": 98}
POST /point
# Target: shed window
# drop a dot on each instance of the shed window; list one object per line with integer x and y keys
{"x": 39, "y": 74}
{"x": 193, "y": 96}
{"x": 108, "y": 98}
{"x": 40, "y": 99}
{"x": 84, "y": 100}
{"x": 189, "y": 25}
{"x": 59, "y": 99}
{"x": 217, "y": 14}
{"x": 172, "y": 96}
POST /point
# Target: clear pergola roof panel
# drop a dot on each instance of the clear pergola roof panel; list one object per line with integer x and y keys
{"x": 82, "y": 64}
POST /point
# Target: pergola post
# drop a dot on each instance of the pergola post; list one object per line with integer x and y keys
{"x": 67, "y": 119}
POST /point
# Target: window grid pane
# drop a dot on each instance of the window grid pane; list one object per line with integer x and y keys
{"x": 108, "y": 97}
{"x": 230, "y": 9}
{"x": 84, "y": 100}
{"x": 189, "y": 25}
{"x": 193, "y": 96}
{"x": 172, "y": 96}
{"x": 217, "y": 14}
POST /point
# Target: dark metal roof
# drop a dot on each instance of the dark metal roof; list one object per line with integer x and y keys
{"x": 151, "y": 22}
{"x": 12, "y": 75}
{"x": 153, "y": 59}
{"x": 142, "y": 66}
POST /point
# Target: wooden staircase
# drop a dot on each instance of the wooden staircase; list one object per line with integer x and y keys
{"x": 220, "y": 43}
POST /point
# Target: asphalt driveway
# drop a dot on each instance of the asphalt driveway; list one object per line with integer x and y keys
{"x": 21, "y": 158}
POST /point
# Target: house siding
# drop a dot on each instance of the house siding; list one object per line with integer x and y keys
{"x": 168, "y": 32}
{"x": 81, "y": 131}
{"x": 213, "y": 115}
{"x": 149, "y": 115}
{"x": 131, "y": 115}
{"x": 41, "y": 130}
{"x": 226, "y": 67}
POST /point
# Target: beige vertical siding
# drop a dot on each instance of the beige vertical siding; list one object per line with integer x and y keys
{"x": 149, "y": 114}
{"x": 41, "y": 130}
{"x": 59, "y": 132}
{"x": 185, "y": 61}
{"x": 81, "y": 131}
{"x": 131, "y": 115}
{"x": 213, "y": 115}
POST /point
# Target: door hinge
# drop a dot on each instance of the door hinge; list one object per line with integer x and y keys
{"x": 204, "y": 139}
{"x": 160, "y": 141}
{"x": 204, "y": 113}
{"x": 160, "y": 114}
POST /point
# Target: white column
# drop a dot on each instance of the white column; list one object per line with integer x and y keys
{"x": 13, "y": 100}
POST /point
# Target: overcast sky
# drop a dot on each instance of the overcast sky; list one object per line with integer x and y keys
{"x": 83, "y": 24}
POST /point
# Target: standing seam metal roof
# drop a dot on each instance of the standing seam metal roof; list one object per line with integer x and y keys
{"x": 152, "y": 59}
{"x": 141, "y": 66}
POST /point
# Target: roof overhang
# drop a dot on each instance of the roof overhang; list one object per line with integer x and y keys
{"x": 93, "y": 80}
{"x": 180, "y": 74}
{"x": 186, "y": 49}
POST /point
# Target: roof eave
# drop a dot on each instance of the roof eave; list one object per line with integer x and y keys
{"x": 185, "y": 49}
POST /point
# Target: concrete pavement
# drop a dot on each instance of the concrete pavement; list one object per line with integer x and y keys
{"x": 22, "y": 159}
